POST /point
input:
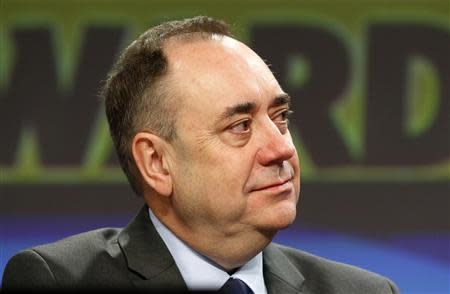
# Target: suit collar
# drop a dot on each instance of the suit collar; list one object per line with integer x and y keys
{"x": 147, "y": 255}
{"x": 280, "y": 275}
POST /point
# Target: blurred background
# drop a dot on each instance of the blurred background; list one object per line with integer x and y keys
{"x": 370, "y": 84}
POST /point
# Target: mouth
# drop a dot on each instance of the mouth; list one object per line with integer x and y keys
{"x": 279, "y": 186}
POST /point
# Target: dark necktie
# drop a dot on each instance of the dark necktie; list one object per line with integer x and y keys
{"x": 235, "y": 286}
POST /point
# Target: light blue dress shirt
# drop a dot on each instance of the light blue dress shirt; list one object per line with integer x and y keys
{"x": 200, "y": 273}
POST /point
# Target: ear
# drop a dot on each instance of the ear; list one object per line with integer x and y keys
{"x": 149, "y": 152}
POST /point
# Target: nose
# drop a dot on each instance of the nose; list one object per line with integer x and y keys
{"x": 276, "y": 146}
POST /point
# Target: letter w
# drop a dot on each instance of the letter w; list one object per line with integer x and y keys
{"x": 60, "y": 120}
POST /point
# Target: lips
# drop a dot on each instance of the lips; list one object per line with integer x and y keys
{"x": 274, "y": 185}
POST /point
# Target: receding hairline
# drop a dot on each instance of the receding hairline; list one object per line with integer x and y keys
{"x": 173, "y": 46}
{"x": 161, "y": 85}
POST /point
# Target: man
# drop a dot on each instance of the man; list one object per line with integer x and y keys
{"x": 200, "y": 125}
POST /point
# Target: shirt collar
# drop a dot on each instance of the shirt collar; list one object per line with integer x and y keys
{"x": 199, "y": 272}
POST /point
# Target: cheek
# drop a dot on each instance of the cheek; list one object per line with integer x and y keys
{"x": 226, "y": 167}
{"x": 224, "y": 181}
{"x": 211, "y": 187}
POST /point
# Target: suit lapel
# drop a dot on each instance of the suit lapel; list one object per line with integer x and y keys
{"x": 280, "y": 275}
{"x": 147, "y": 255}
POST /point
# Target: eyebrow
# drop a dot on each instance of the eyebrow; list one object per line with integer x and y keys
{"x": 248, "y": 107}
{"x": 281, "y": 100}
{"x": 241, "y": 108}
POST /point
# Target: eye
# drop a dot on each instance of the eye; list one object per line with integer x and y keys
{"x": 241, "y": 127}
{"x": 283, "y": 116}
{"x": 282, "y": 120}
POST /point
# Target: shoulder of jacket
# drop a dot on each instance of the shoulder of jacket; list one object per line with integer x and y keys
{"x": 81, "y": 260}
{"x": 315, "y": 261}
{"x": 79, "y": 249}
{"x": 326, "y": 271}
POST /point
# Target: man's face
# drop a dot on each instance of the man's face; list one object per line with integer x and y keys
{"x": 234, "y": 165}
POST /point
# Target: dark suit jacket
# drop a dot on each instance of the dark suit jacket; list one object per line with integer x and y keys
{"x": 136, "y": 258}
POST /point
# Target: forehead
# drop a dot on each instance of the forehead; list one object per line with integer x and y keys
{"x": 215, "y": 73}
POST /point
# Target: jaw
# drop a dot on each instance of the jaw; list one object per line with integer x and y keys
{"x": 233, "y": 242}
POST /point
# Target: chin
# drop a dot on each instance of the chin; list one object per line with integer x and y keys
{"x": 286, "y": 221}
{"x": 280, "y": 218}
